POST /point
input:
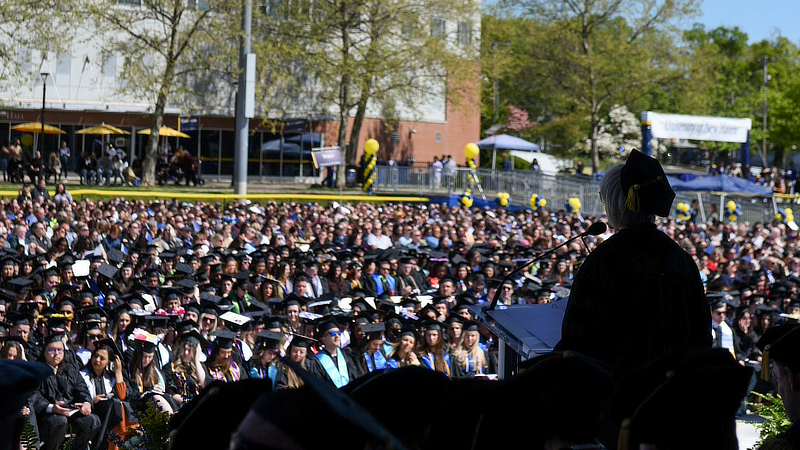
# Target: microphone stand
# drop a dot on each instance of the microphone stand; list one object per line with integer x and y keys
{"x": 589, "y": 231}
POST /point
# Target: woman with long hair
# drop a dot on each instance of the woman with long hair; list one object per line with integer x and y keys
{"x": 119, "y": 327}
{"x": 352, "y": 280}
{"x": 124, "y": 279}
{"x": 744, "y": 337}
{"x": 432, "y": 351}
{"x": 265, "y": 364}
{"x": 149, "y": 383}
{"x": 209, "y": 319}
{"x": 298, "y": 354}
{"x": 220, "y": 365}
{"x": 336, "y": 283}
{"x": 285, "y": 285}
{"x": 106, "y": 384}
{"x": 185, "y": 374}
{"x": 469, "y": 357}
{"x": 403, "y": 353}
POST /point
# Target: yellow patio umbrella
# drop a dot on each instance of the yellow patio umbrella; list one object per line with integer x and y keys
{"x": 166, "y": 132}
{"x": 36, "y": 127}
{"x": 102, "y": 130}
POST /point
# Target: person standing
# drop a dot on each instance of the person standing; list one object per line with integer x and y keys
{"x": 638, "y": 295}
{"x": 436, "y": 173}
{"x": 63, "y": 155}
{"x": 779, "y": 346}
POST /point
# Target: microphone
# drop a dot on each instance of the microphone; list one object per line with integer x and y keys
{"x": 593, "y": 230}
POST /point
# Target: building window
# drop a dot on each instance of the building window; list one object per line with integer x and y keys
{"x": 63, "y": 64}
{"x": 130, "y": 2}
{"x": 464, "y": 34}
{"x": 110, "y": 67}
{"x": 438, "y": 138}
{"x": 437, "y": 27}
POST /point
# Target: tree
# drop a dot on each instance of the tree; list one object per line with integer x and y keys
{"x": 163, "y": 43}
{"x": 27, "y": 25}
{"x": 518, "y": 120}
{"x": 596, "y": 52}
{"x": 376, "y": 56}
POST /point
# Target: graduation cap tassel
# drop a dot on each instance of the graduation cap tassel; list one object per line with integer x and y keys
{"x": 765, "y": 363}
{"x": 623, "y": 443}
{"x": 632, "y": 200}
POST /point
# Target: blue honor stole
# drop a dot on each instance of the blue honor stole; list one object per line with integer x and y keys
{"x": 338, "y": 374}
{"x": 379, "y": 361}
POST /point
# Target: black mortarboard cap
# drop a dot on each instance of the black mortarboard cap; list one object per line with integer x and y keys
{"x": 107, "y": 271}
{"x": 781, "y": 344}
{"x": 269, "y": 340}
{"x": 645, "y": 185}
{"x": 224, "y": 339}
{"x": 110, "y": 344}
{"x": 115, "y": 256}
{"x": 373, "y": 330}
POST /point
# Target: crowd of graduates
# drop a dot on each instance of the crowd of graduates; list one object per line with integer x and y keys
{"x": 134, "y": 303}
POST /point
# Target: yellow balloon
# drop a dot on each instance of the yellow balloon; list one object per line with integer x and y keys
{"x": 371, "y": 147}
{"x": 731, "y": 205}
{"x": 789, "y": 212}
{"x": 466, "y": 201}
{"x": 542, "y": 203}
{"x": 779, "y": 216}
{"x": 732, "y": 218}
{"x": 471, "y": 151}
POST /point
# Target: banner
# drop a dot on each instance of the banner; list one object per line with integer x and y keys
{"x": 326, "y": 156}
{"x": 697, "y": 128}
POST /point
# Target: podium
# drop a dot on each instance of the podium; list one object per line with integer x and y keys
{"x": 523, "y": 331}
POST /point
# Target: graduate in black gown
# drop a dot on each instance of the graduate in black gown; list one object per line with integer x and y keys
{"x": 638, "y": 295}
{"x": 63, "y": 401}
{"x": 299, "y": 353}
{"x": 780, "y": 347}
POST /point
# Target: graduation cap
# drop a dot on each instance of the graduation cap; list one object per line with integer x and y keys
{"x": 111, "y": 345}
{"x": 269, "y": 340}
{"x": 224, "y": 339}
{"x": 107, "y": 271}
{"x": 154, "y": 321}
{"x": 92, "y": 314}
{"x": 115, "y": 256}
{"x": 193, "y": 337}
{"x": 374, "y": 331}
{"x": 471, "y": 325}
{"x": 273, "y": 321}
{"x": 293, "y": 300}
{"x": 235, "y": 321}
{"x": 645, "y": 185}
{"x": 147, "y": 342}
{"x": 324, "y": 326}
{"x": 55, "y": 337}
{"x": 20, "y": 284}
{"x": 780, "y": 343}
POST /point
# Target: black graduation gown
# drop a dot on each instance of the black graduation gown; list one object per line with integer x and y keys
{"x": 312, "y": 366}
{"x": 636, "y": 297}
{"x": 353, "y": 369}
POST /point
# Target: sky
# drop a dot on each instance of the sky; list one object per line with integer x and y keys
{"x": 760, "y": 19}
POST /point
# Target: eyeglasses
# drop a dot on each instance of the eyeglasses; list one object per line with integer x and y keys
{"x": 94, "y": 337}
{"x": 209, "y": 319}
{"x": 55, "y": 351}
{"x": 335, "y": 333}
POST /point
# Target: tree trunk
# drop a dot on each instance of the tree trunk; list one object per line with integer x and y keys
{"x": 151, "y": 149}
{"x": 341, "y": 176}
{"x": 777, "y": 161}
{"x": 358, "y": 120}
{"x": 594, "y": 152}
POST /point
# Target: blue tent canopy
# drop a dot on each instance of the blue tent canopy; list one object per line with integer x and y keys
{"x": 505, "y": 142}
{"x": 720, "y": 183}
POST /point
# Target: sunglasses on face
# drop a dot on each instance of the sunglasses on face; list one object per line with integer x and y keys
{"x": 335, "y": 333}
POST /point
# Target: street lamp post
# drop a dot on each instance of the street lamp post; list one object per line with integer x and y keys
{"x": 44, "y": 76}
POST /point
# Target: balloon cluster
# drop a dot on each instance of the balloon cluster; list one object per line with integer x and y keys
{"x": 471, "y": 151}
{"x": 503, "y": 199}
{"x": 537, "y": 203}
{"x": 683, "y": 211}
{"x": 784, "y": 215}
{"x": 573, "y": 205}
{"x": 371, "y": 147}
{"x": 466, "y": 199}
{"x": 733, "y": 211}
